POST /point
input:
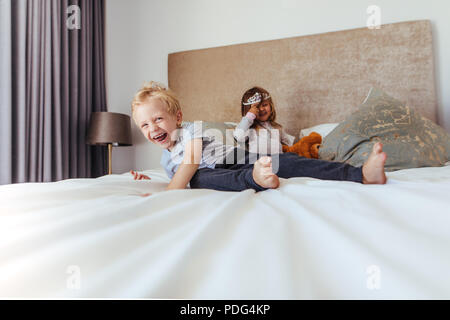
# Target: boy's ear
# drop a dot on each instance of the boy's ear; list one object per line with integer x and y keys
{"x": 179, "y": 117}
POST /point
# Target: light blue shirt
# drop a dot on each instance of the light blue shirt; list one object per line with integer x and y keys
{"x": 213, "y": 151}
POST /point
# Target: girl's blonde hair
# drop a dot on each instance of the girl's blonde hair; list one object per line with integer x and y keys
{"x": 154, "y": 89}
{"x": 263, "y": 92}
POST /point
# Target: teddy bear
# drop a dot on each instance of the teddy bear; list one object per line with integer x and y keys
{"x": 307, "y": 146}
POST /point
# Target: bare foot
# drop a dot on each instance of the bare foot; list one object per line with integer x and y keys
{"x": 263, "y": 175}
{"x": 373, "y": 168}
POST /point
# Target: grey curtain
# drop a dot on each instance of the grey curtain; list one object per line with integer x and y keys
{"x": 52, "y": 78}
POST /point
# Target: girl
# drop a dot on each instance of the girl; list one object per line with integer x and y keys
{"x": 258, "y": 126}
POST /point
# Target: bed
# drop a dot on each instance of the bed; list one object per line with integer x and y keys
{"x": 309, "y": 239}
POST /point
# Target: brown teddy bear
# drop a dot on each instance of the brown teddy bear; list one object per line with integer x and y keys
{"x": 307, "y": 146}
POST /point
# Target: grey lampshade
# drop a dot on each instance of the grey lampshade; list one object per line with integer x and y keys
{"x": 109, "y": 127}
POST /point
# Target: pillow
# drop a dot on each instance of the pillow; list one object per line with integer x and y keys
{"x": 409, "y": 140}
{"x": 322, "y": 129}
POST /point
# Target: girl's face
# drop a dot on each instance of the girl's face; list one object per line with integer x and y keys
{"x": 264, "y": 110}
{"x": 156, "y": 123}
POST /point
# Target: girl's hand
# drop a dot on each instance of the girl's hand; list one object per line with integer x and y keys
{"x": 254, "y": 109}
{"x": 139, "y": 176}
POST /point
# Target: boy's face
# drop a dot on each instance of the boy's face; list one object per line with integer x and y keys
{"x": 156, "y": 123}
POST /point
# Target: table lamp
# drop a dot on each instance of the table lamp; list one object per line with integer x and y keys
{"x": 111, "y": 129}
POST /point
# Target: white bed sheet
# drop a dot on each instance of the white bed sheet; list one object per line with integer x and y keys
{"x": 309, "y": 239}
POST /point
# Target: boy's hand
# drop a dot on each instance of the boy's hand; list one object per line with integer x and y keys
{"x": 139, "y": 176}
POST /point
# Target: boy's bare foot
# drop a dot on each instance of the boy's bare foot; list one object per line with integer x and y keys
{"x": 373, "y": 168}
{"x": 263, "y": 175}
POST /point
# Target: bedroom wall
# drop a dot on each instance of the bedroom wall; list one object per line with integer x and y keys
{"x": 141, "y": 33}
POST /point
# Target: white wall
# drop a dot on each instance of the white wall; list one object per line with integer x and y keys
{"x": 141, "y": 33}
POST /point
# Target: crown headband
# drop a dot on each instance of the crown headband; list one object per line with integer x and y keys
{"x": 256, "y": 98}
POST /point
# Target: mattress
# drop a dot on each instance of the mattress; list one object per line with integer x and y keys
{"x": 309, "y": 239}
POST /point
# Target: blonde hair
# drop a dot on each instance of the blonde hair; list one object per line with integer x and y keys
{"x": 154, "y": 89}
{"x": 244, "y": 108}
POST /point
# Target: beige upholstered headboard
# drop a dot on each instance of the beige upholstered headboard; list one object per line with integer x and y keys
{"x": 312, "y": 79}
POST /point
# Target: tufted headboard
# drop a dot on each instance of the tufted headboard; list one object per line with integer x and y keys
{"x": 313, "y": 79}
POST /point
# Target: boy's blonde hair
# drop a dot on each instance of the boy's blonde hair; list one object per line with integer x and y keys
{"x": 154, "y": 89}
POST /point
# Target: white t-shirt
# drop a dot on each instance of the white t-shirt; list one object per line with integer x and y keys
{"x": 213, "y": 150}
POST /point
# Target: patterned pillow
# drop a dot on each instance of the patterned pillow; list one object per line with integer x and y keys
{"x": 409, "y": 140}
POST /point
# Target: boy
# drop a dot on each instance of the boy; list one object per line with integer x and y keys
{"x": 189, "y": 156}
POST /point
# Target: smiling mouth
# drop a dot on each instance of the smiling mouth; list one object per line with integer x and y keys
{"x": 160, "y": 137}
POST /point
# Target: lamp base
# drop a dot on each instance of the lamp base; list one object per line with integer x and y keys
{"x": 109, "y": 158}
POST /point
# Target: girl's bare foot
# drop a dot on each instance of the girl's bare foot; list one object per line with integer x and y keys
{"x": 373, "y": 168}
{"x": 263, "y": 175}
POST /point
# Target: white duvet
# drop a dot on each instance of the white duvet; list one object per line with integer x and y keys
{"x": 309, "y": 239}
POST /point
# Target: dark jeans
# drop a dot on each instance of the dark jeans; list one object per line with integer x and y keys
{"x": 237, "y": 175}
